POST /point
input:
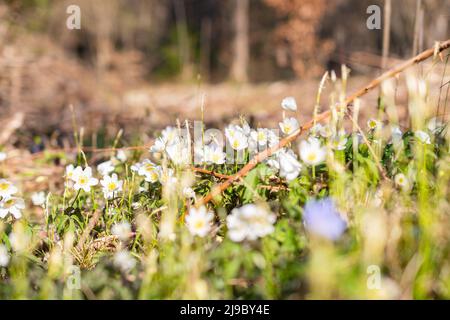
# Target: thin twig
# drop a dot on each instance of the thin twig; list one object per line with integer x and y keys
{"x": 324, "y": 115}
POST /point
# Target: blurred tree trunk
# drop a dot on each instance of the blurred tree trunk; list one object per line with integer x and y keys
{"x": 183, "y": 40}
{"x": 241, "y": 42}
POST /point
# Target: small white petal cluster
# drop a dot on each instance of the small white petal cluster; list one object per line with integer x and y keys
{"x": 105, "y": 168}
{"x": 199, "y": 221}
{"x": 402, "y": 181}
{"x": 250, "y": 222}
{"x": 422, "y": 137}
{"x": 285, "y": 161}
{"x": 124, "y": 260}
{"x": 289, "y": 104}
{"x": 10, "y": 204}
{"x": 4, "y": 256}
{"x": 122, "y": 230}
{"x": 188, "y": 193}
{"x": 38, "y": 198}
{"x": 149, "y": 170}
{"x": 312, "y": 152}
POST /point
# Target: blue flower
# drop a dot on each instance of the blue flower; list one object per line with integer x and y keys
{"x": 322, "y": 218}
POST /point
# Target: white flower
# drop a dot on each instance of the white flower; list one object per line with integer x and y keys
{"x": 150, "y": 171}
{"x": 38, "y": 198}
{"x": 179, "y": 154}
{"x": 289, "y": 103}
{"x": 121, "y": 156}
{"x": 83, "y": 179}
{"x": 396, "y": 133}
{"x": 374, "y": 124}
{"x": 198, "y": 221}
{"x": 402, "y": 181}
{"x": 136, "y": 167}
{"x": 4, "y": 256}
{"x": 188, "y": 193}
{"x": 12, "y": 205}
{"x": 249, "y": 222}
{"x": 111, "y": 185}
{"x": 169, "y": 136}
{"x": 69, "y": 172}
{"x": 122, "y": 230}
{"x": 311, "y": 152}
{"x": 124, "y": 260}
{"x": 158, "y": 146}
{"x": 3, "y": 156}
{"x": 214, "y": 154}
{"x": 260, "y": 136}
{"x": 289, "y": 126}
{"x": 289, "y": 166}
{"x": 238, "y": 140}
{"x": 6, "y": 188}
{"x": 105, "y": 168}
{"x": 434, "y": 124}
{"x": 423, "y": 137}
{"x": 340, "y": 141}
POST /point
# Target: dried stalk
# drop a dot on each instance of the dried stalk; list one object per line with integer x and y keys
{"x": 324, "y": 115}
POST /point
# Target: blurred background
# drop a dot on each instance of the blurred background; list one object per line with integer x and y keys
{"x": 140, "y": 64}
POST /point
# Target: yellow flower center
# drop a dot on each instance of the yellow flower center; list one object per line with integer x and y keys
{"x": 199, "y": 224}
{"x": 83, "y": 180}
{"x": 235, "y": 143}
{"x": 4, "y": 186}
{"x": 312, "y": 157}
{"x": 112, "y": 186}
{"x": 287, "y": 128}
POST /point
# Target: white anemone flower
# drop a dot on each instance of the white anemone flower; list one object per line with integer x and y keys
{"x": 238, "y": 140}
{"x": 423, "y": 137}
{"x": 179, "y": 153}
{"x": 260, "y": 136}
{"x": 122, "y": 230}
{"x": 4, "y": 256}
{"x": 214, "y": 154}
{"x": 12, "y": 205}
{"x": 396, "y": 134}
{"x": 105, "y": 168}
{"x": 7, "y": 188}
{"x": 83, "y": 179}
{"x": 289, "y": 125}
{"x": 402, "y": 181}
{"x": 374, "y": 124}
{"x": 250, "y": 222}
{"x": 289, "y": 104}
{"x": 311, "y": 152}
{"x": 198, "y": 221}
{"x": 340, "y": 141}
{"x": 38, "y": 198}
{"x": 150, "y": 171}
{"x": 111, "y": 185}
{"x": 3, "y": 156}
{"x": 289, "y": 166}
{"x": 169, "y": 136}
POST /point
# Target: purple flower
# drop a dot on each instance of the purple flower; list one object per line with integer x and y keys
{"x": 322, "y": 218}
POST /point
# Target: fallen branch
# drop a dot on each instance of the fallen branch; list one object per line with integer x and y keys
{"x": 324, "y": 115}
